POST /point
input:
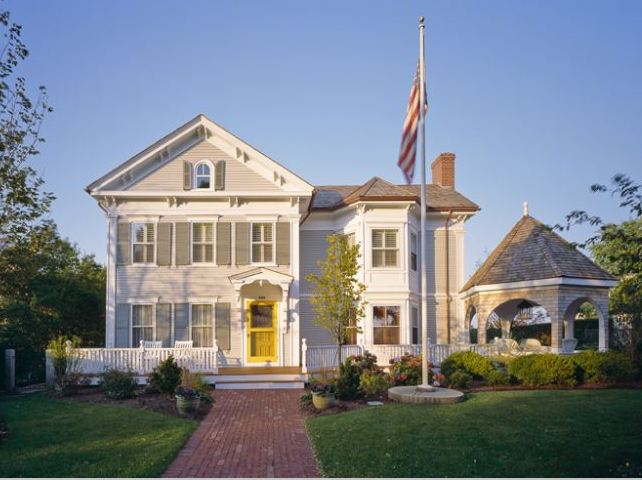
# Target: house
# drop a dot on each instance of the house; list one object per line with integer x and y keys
{"x": 210, "y": 240}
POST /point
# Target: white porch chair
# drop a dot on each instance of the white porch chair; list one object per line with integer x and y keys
{"x": 152, "y": 344}
{"x": 183, "y": 356}
{"x": 150, "y": 353}
{"x": 182, "y": 344}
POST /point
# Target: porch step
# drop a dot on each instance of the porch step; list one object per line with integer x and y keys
{"x": 262, "y": 385}
{"x": 232, "y": 378}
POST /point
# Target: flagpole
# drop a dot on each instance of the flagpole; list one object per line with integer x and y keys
{"x": 424, "y": 276}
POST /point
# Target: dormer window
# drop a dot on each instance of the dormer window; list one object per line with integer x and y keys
{"x": 203, "y": 177}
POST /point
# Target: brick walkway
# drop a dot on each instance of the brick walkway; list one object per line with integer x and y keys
{"x": 249, "y": 433}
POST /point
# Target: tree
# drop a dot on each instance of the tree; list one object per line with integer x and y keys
{"x": 617, "y": 247}
{"x": 338, "y": 297}
{"x": 22, "y": 202}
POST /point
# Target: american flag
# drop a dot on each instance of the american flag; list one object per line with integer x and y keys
{"x": 409, "y": 137}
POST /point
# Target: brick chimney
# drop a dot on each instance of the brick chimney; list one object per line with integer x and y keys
{"x": 443, "y": 170}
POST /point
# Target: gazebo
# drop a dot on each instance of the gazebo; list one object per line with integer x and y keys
{"x": 535, "y": 267}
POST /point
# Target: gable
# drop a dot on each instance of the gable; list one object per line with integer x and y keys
{"x": 169, "y": 177}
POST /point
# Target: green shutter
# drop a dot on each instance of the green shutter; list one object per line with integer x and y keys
{"x": 219, "y": 175}
{"x": 181, "y": 321}
{"x": 242, "y": 242}
{"x": 163, "y": 323}
{"x": 283, "y": 243}
{"x": 187, "y": 176}
{"x": 164, "y": 244}
{"x": 223, "y": 326}
{"x": 224, "y": 243}
{"x": 182, "y": 243}
{"x": 122, "y": 251}
{"x": 122, "y": 325}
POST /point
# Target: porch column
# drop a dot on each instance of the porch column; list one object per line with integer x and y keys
{"x": 110, "y": 314}
{"x": 285, "y": 321}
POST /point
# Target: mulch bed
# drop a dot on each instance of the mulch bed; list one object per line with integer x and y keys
{"x": 340, "y": 406}
{"x": 156, "y": 402}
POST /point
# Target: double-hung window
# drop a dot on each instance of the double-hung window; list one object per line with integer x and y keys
{"x": 202, "y": 321}
{"x": 202, "y": 243}
{"x": 143, "y": 242}
{"x": 413, "y": 252}
{"x": 386, "y": 325}
{"x": 203, "y": 177}
{"x": 262, "y": 243}
{"x": 142, "y": 324}
{"x": 385, "y": 248}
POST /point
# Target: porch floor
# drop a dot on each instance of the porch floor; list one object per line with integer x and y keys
{"x": 249, "y": 433}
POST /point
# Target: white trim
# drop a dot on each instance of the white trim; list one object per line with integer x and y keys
{"x": 202, "y": 192}
{"x": 131, "y": 320}
{"x": 547, "y": 282}
{"x": 209, "y": 163}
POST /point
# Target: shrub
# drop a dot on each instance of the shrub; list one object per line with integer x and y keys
{"x": 118, "y": 384}
{"x": 497, "y": 377}
{"x": 66, "y": 364}
{"x": 348, "y": 382}
{"x": 544, "y": 369}
{"x": 366, "y": 362}
{"x": 166, "y": 377}
{"x": 470, "y": 362}
{"x": 460, "y": 379}
{"x": 603, "y": 367}
{"x": 373, "y": 384}
{"x": 406, "y": 370}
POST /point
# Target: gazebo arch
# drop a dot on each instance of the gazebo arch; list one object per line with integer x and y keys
{"x": 535, "y": 264}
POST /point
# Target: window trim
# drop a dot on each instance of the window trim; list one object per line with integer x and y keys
{"x": 213, "y": 305}
{"x": 415, "y": 252}
{"x": 273, "y": 261}
{"x": 131, "y": 321}
{"x": 399, "y": 326}
{"x": 209, "y": 163}
{"x": 191, "y": 243}
{"x": 133, "y": 242}
{"x": 398, "y": 249}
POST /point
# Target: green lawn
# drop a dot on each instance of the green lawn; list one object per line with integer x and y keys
{"x": 522, "y": 434}
{"x": 56, "y": 438}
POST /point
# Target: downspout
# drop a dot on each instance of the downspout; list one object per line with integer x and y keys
{"x": 447, "y": 250}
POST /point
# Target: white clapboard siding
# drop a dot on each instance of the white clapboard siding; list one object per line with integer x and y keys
{"x": 313, "y": 246}
{"x": 238, "y": 177}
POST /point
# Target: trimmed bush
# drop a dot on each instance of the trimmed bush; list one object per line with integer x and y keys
{"x": 497, "y": 377}
{"x": 605, "y": 367}
{"x": 470, "y": 362}
{"x": 373, "y": 384}
{"x": 544, "y": 369}
{"x": 166, "y": 377}
{"x": 118, "y": 384}
{"x": 460, "y": 379}
{"x": 348, "y": 382}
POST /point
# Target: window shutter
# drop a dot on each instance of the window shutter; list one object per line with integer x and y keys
{"x": 187, "y": 176}
{"x": 163, "y": 323}
{"x": 182, "y": 243}
{"x": 164, "y": 244}
{"x": 283, "y": 243}
{"x": 181, "y": 322}
{"x": 224, "y": 243}
{"x": 122, "y": 325}
{"x": 219, "y": 175}
{"x": 223, "y": 326}
{"x": 122, "y": 251}
{"x": 242, "y": 243}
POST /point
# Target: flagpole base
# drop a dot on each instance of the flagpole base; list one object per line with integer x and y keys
{"x": 425, "y": 388}
{"x": 412, "y": 394}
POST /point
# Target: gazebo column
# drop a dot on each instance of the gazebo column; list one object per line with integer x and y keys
{"x": 602, "y": 308}
{"x": 569, "y": 326}
{"x": 552, "y": 306}
{"x": 482, "y": 318}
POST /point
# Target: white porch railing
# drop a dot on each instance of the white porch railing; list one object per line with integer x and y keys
{"x": 319, "y": 357}
{"x": 141, "y": 361}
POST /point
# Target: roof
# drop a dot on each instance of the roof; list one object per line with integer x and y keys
{"x": 532, "y": 251}
{"x": 332, "y": 197}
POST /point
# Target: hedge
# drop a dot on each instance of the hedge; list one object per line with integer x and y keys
{"x": 544, "y": 369}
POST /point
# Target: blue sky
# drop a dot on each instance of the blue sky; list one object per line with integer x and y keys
{"x": 538, "y": 99}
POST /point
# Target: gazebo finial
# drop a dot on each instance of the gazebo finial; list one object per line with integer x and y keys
{"x": 525, "y": 209}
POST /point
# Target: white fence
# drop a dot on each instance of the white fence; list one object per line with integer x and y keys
{"x": 141, "y": 361}
{"x": 320, "y": 357}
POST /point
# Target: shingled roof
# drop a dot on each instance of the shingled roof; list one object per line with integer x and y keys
{"x": 332, "y": 197}
{"x": 532, "y": 251}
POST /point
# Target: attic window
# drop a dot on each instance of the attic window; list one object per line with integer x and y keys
{"x": 203, "y": 177}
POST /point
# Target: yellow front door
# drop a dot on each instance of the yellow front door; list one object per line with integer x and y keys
{"x": 261, "y": 332}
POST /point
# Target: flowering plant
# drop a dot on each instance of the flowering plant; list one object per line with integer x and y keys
{"x": 322, "y": 388}
{"x": 438, "y": 379}
{"x": 187, "y": 392}
{"x": 366, "y": 362}
{"x": 406, "y": 370}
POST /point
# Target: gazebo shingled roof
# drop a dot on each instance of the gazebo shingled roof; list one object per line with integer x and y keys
{"x": 532, "y": 251}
